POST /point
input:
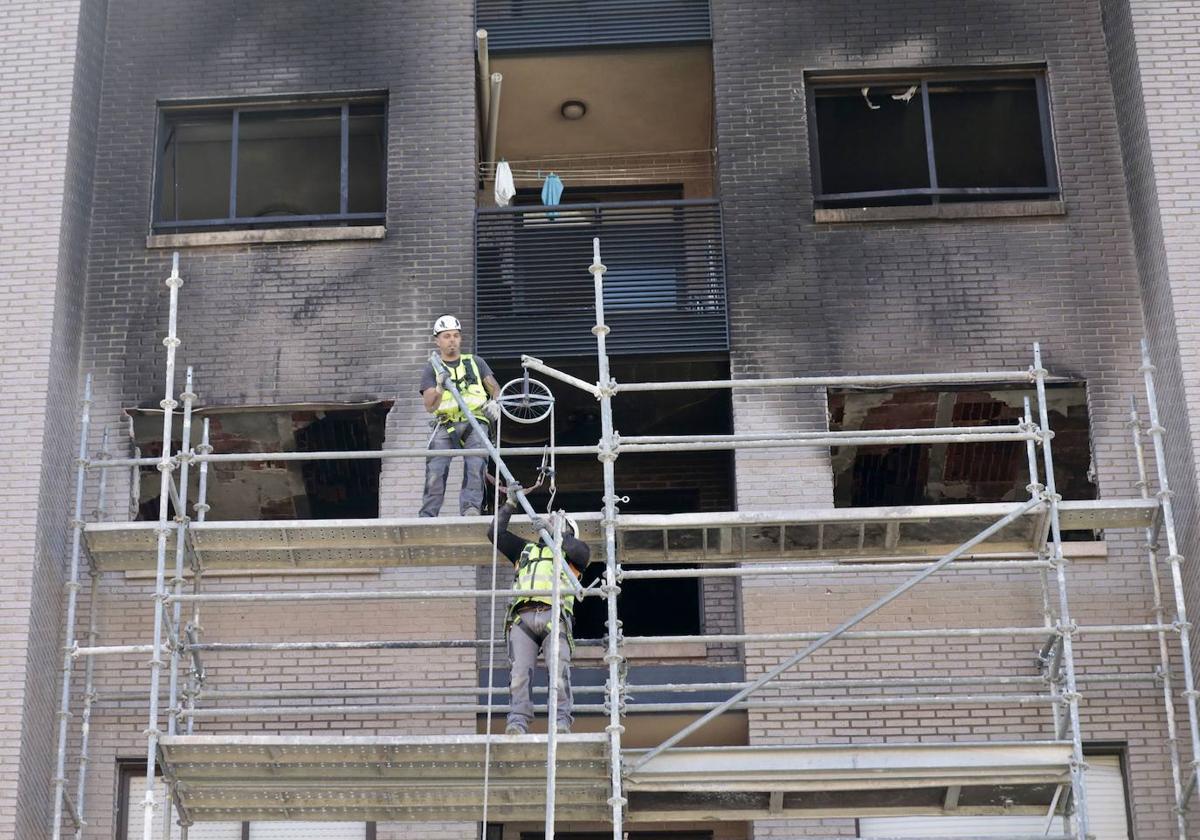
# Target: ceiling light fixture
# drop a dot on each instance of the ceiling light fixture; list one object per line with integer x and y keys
{"x": 573, "y": 109}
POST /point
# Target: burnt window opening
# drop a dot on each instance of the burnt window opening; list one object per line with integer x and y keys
{"x": 325, "y": 489}
{"x": 924, "y": 140}
{"x": 254, "y": 165}
{"x": 911, "y": 474}
{"x": 670, "y": 482}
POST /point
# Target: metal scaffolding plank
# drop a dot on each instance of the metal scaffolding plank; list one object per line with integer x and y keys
{"x": 438, "y": 778}
{"x": 774, "y": 782}
{"x": 427, "y": 778}
{"x": 880, "y": 533}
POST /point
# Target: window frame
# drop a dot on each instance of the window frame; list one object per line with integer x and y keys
{"x": 231, "y": 221}
{"x": 129, "y": 771}
{"x": 817, "y": 80}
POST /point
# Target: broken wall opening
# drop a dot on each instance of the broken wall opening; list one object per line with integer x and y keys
{"x": 955, "y": 473}
{"x": 347, "y": 489}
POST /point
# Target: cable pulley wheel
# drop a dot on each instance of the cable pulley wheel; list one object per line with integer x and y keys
{"x": 525, "y": 400}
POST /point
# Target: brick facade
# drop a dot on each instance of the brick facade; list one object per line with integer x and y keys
{"x": 349, "y": 321}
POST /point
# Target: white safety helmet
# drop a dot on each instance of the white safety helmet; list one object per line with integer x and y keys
{"x": 446, "y": 322}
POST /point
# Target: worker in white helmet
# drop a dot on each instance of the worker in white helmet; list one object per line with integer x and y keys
{"x": 451, "y": 430}
{"x": 528, "y": 626}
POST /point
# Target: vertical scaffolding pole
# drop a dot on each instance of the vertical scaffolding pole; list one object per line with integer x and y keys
{"x": 1036, "y": 488}
{"x": 181, "y": 537}
{"x": 553, "y": 680}
{"x": 165, "y": 465}
{"x": 89, "y": 678}
{"x": 1066, "y": 628}
{"x": 72, "y": 587}
{"x": 1157, "y": 435}
{"x": 608, "y": 457}
{"x": 1164, "y": 653}
{"x": 196, "y": 674}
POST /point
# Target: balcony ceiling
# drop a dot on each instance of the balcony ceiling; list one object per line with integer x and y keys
{"x": 638, "y": 100}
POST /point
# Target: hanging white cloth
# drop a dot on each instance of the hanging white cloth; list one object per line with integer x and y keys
{"x": 505, "y": 188}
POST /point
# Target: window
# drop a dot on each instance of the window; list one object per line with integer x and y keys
{"x": 131, "y": 789}
{"x": 929, "y": 139}
{"x": 270, "y": 165}
{"x": 1108, "y": 816}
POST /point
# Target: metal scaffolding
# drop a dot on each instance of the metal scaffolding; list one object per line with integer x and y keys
{"x": 594, "y": 777}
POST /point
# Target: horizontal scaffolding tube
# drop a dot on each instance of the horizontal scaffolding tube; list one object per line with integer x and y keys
{"x": 111, "y": 650}
{"x": 858, "y": 381}
{"x": 805, "y": 703}
{"x": 824, "y": 569}
{"x": 368, "y": 595}
{"x": 721, "y": 638}
{"x": 217, "y": 695}
{"x": 650, "y": 443}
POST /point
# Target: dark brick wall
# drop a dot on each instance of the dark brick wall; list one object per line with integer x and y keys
{"x": 910, "y": 296}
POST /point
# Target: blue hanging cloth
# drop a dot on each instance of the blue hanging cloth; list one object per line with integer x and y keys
{"x": 552, "y": 190}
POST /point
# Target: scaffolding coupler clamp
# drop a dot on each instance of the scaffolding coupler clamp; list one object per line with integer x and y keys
{"x": 1064, "y": 630}
{"x": 606, "y": 389}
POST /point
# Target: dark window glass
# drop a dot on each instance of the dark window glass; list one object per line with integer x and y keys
{"x": 289, "y": 163}
{"x": 909, "y": 142}
{"x": 871, "y": 141}
{"x": 195, "y": 167}
{"x": 286, "y": 163}
{"x": 987, "y": 134}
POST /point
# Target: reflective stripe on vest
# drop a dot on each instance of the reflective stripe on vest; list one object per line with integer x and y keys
{"x": 469, "y": 383}
{"x": 535, "y": 571}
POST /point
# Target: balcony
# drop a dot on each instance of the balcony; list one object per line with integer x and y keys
{"x": 526, "y": 25}
{"x": 664, "y": 289}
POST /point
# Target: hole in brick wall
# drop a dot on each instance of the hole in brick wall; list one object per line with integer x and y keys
{"x": 327, "y": 489}
{"x": 901, "y": 474}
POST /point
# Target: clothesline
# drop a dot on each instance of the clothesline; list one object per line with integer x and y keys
{"x": 606, "y": 155}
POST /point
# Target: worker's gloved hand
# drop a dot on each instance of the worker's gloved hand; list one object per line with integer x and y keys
{"x": 491, "y": 408}
{"x": 540, "y": 524}
{"x": 444, "y": 380}
{"x": 512, "y": 490}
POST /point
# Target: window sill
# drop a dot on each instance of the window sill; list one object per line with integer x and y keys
{"x": 265, "y": 236}
{"x": 946, "y": 212}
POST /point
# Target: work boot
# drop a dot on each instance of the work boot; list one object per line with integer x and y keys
{"x": 563, "y": 728}
{"x": 471, "y": 511}
{"x": 515, "y": 729}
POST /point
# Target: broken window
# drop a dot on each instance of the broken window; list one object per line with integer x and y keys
{"x": 924, "y": 140}
{"x": 325, "y": 489}
{"x": 918, "y": 474}
{"x": 259, "y": 165}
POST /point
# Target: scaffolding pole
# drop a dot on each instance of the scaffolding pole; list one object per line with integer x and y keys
{"x": 1164, "y": 653}
{"x": 1065, "y": 628}
{"x": 165, "y": 465}
{"x": 176, "y": 608}
{"x": 196, "y": 674}
{"x": 1175, "y": 559}
{"x": 72, "y": 587}
{"x": 612, "y": 657}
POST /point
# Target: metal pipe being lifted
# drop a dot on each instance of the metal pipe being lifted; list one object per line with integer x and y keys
{"x": 541, "y": 367}
{"x": 824, "y": 569}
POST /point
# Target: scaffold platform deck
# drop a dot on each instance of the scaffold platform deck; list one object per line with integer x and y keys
{"x": 440, "y": 778}
{"x": 410, "y": 779}
{"x": 875, "y": 533}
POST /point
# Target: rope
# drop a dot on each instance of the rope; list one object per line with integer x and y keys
{"x": 553, "y": 465}
{"x": 491, "y": 669}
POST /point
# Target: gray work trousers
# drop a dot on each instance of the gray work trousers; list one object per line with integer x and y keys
{"x": 437, "y": 469}
{"x": 523, "y": 648}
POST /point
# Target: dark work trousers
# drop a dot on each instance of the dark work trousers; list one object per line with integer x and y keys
{"x": 437, "y": 469}
{"x": 523, "y": 648}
